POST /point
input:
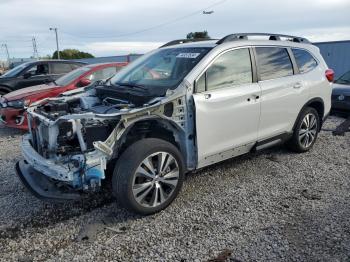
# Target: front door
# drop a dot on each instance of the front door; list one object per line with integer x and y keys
{"x": 227, "y": 103}
{"x": 35, "y": 75}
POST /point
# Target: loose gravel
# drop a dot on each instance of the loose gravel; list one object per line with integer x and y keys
{"x": 273, "y": 205}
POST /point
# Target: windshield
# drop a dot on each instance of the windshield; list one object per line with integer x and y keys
{"x": 165, "y": 68}
{"x": 14, "y": 71}
{"x": 71, "y": 76}
{"x": 344, "y": 79}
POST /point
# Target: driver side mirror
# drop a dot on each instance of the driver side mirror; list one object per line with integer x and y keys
{"x": 84, "y": 82}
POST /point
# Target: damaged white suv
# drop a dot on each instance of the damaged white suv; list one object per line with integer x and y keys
{"x": 179, "y": 108}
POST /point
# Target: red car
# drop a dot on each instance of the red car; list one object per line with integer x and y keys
{"x": 12, "y": 105}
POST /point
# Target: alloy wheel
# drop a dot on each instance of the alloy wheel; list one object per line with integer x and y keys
{"x": 155, "y": 179}
{"x": 308, "y": 130}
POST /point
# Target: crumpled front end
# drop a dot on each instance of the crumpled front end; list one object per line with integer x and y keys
{"x": 72, "y": 139}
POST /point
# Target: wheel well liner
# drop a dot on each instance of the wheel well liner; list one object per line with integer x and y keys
{"x": 150, "y": 128}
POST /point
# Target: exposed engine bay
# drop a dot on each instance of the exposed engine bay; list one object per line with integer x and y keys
{"x": 73, "y": 137}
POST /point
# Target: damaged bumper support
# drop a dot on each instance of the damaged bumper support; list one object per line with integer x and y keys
{"x": 51, "y": 180}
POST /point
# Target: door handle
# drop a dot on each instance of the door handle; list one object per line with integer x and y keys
{"x": 297, "y": 85}
{"x": 207, "y": 96}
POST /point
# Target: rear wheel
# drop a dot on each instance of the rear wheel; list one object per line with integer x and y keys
{"x": 306, "y": 131}
{"x": 148, "y": 176}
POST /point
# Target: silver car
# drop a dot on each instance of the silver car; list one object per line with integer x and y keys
{"x": 182, "y": 107}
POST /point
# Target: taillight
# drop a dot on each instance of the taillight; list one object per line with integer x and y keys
{"x": 330, "y": 75}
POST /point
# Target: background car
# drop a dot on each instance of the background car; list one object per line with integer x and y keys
{"x": 341, "y": 94}
{"x": 35, "y": 73}
{"x": 12, "y": 105}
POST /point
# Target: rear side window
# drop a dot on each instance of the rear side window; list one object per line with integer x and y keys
{"x": 304, "y": 59}
{"x": 230, "y": 69}
{"x": 273, "y": 62}
{"x": 60, "y": 68}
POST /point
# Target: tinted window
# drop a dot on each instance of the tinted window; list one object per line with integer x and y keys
{"x": 60, "y": 68}
{"x": 40, "y": 69}
{"x": 304, "y": 59}
{"x": 230, "y": 69}
{"x": 273, "y": 62}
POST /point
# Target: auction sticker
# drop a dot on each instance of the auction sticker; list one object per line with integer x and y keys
{"x": 188, "y": 55}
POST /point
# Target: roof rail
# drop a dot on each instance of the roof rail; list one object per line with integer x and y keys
{"x": 183, "y": 41}
{"x": 244, "y": 36}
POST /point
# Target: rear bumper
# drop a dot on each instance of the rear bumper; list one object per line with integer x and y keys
{"x": 41, "y": 186}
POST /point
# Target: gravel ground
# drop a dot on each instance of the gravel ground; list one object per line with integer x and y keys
{"x": 273, "y": 205}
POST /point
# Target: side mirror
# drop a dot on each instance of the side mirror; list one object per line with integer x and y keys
{"x": 27, "y": 75}
{"x": 84, "y": 82}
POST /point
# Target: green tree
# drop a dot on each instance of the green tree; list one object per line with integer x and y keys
{"x": 72, "y": 54}
{"x": 198, "y": 35}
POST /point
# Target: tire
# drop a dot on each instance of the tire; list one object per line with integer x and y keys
{"x": 305, "y": 131}
{"x": 134, "y": 185}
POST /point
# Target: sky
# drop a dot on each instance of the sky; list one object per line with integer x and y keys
{"x": 118, "y": 27}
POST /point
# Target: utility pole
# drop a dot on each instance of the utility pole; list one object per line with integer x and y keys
{"x": 35, "y": 49}
{"x": 7, "y": 52}
{"x": 58, "y": 50}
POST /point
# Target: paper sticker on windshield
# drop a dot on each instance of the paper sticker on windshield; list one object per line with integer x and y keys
{"x": 188, "y": 55}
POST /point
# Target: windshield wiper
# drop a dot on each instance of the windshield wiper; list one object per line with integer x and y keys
{"x": 132, "y": 85}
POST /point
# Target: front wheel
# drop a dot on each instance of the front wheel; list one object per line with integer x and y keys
{"x": 306, "y": 131}
{"x": 148, "y": 176}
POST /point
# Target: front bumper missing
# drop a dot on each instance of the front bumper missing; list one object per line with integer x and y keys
{"x": 43, "y": 165}
{"x": 41, "y": 186}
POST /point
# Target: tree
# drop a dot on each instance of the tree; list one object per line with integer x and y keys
{"x": 72, "y": 54}
{"x": 198, "y": 35}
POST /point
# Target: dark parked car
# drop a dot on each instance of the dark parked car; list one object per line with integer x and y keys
{"x": 35, "y": 73}
{"x": 341, "y": 94}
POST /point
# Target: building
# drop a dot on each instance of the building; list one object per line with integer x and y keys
{"x": 109, "y": 59}
{"x": 337, "y": 55}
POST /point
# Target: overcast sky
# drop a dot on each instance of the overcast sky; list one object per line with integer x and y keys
{"x": 114, "y": 27}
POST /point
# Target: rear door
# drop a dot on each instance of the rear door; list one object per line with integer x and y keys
{"x": 59, "y": 69}
{"x": 227, "y": 107}
{"x": 283, "y": 92}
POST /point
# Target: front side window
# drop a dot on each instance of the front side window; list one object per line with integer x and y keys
{"x": 233, "y": 68}
{"x": 304, "y": 59}
{"x": 60, "y": 68}
{"x": 273, "y": 62}
{"x": 163, "y": 69}
{"x": 40, "y": 69}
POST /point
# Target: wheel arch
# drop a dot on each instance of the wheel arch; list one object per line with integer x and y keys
{"x": 318, "y": 104}
{"x": 152, "y": 127}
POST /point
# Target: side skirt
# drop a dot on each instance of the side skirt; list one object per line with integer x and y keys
{"x": 272, "y": 141}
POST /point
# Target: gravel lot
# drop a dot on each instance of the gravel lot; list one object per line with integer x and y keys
{"x": 273, "y": 205}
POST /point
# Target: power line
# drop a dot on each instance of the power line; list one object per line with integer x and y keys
{"x": 158, "y": 25}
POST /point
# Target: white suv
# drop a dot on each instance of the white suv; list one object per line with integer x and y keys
{"x": 179, "y": 108}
